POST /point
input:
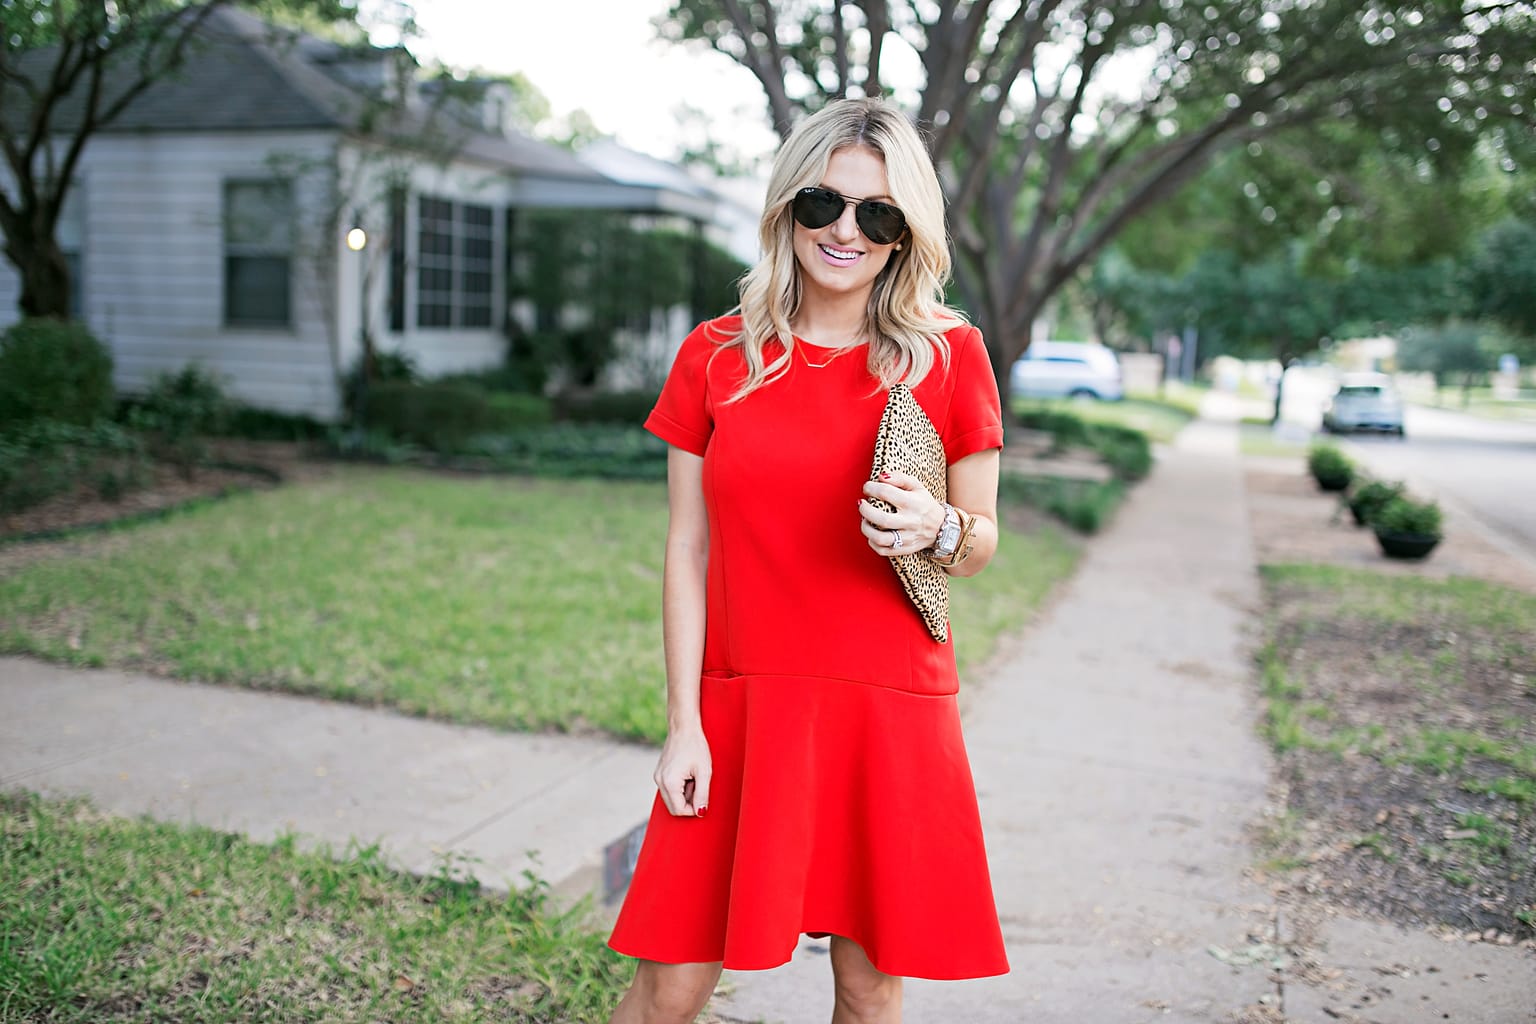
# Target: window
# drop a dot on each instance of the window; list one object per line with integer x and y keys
{"x": 454, "y": 264}
{"x": 258, "y": 252}
{"x": 71, "y": 236}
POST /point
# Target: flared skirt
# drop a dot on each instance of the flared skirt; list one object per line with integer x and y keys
{"x": 836, "y": 807}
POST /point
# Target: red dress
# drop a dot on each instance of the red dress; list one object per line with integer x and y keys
{"x": 842, "y": 800}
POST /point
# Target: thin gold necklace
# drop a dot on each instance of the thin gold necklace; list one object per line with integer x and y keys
{"x": 834, "y": 355}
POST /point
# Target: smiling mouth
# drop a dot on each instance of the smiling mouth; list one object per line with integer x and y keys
{"x": 841, "y": 255}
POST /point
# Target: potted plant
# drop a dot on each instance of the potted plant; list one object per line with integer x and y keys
{"x": 1330, "y": 467}
{"x": 1406, "y": 528}
{"x": 1369, "y": 498}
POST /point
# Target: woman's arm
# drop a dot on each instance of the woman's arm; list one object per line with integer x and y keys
{"x": 973, "y": 489}
{"x": 683, "y": 772}
{"x": 972, "y": 486}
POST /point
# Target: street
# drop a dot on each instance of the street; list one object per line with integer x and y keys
{"x": 1485, "y": 468}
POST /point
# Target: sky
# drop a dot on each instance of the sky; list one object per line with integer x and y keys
{"x": 602, "y": 56}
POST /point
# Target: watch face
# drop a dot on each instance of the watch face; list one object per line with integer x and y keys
{"x": 949, "y": 536}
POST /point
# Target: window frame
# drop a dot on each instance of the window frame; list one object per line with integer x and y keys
{"x": 233, "y": 251}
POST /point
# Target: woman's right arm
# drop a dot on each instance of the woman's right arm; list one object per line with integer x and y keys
{"x": 683, "y": 773}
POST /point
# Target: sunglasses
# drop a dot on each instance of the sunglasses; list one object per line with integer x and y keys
{"x": 817, "y": 207}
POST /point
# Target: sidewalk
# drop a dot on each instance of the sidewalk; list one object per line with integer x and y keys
{"x": 264, "y": 764}
{"x": 1115, "y": 754}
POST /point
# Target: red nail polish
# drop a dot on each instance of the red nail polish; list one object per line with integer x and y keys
{"x": 885, "y": 476}
{"x": 700, "y": 811}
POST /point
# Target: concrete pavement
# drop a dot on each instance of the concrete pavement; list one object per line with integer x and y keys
{"x": 265, "y": 764}
{"x": 1114, "y": 751}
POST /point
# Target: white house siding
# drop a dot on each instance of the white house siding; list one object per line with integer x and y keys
{"x": 435, "y": 350}
{"x": 153, "y": 258}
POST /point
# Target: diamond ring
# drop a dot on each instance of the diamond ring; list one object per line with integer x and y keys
{"x": 895, "y": 538}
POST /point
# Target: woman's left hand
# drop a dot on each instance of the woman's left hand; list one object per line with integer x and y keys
{"x": 915, "y": 523}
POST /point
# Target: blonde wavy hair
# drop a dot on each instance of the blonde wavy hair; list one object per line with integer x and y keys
{"x": 907, "y": 317}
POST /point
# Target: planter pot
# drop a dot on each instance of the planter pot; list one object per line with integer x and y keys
{"x": 1406, "y": 545}
{"x": 1358, "y": 512}
{"x": 1333, "y": 483}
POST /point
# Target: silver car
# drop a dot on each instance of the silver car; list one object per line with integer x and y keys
{"x": 1364, "y": 401}
{"x": 1068, "y": 369}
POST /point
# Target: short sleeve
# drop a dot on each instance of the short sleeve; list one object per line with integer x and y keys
{"x": 975, "y": 420}
{"x": 684, "y": 414}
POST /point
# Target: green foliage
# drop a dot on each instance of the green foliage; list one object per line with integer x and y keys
{"x": 1327, "y": 462}
{"x": 1404, "y": 515}
{"x": 44, "y": 457}
{"x": 1126, "y": 450}
{"x": 178, "y": 410}
{"x": 629, "y": 407}
{"x": 443, "y": 416}
{"x": 53, "y": 369}
{"x": 604, "y": 450}
{"x": 1500, "y": 277}
{"x": 1446, "y": 349}
{"x": 1084, "y": 505}
{"x": 618, "y": 275}
{"x": 1367, "y": 500}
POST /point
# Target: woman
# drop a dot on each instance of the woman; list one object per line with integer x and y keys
{"x": 814, "y": 778}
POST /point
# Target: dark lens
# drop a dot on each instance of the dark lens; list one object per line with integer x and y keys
{"x": 816, "y": 207}
{"x": 882, "y": 223}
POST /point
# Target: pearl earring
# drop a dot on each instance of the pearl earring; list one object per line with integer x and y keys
{"x": 898, "y": 247}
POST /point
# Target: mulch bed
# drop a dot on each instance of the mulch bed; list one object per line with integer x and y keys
{"x": 233, "y": 467}
{"x": 1419, "y": 844}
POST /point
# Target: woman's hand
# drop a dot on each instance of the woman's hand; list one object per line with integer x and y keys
{"x": 683, "y": 773}
{"x": 915, "y": 523}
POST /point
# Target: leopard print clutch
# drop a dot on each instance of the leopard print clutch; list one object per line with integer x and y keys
{"x": 908, "y": 443}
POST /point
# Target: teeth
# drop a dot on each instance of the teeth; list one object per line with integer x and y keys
{"x": 841, "y": 254}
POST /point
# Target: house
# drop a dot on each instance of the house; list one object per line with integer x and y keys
{"x": 281, "y": 195}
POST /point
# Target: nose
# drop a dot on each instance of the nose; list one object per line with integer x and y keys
{"x": 846, "y": 227}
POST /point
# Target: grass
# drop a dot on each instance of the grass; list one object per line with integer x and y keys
{"x": 510, "y": 602}
{"x": 1159, "y": 419}
{"x": 104, "y": 920}
{"x": 1399, "y": 709}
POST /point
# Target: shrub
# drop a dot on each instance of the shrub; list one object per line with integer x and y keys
{"x": 576, "y": 450}
{"x": 178, "y": 410}
{"x": 628, "y": 407}
{"x": 388, "y": 366}
{"x": 1330, "y": 467}
{"x": 255, "y": 424}
{"x": 1084, "y": 505}
{"x": 1404, "y": 515}
{"x": 443, "y": 417}
{"x": 46, "y": 457}
{"x": 53, "y": 369}
{"x": 1367, "y": 500}
{"x": 1125, "y": 450}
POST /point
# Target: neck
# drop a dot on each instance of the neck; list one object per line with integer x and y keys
{"x": 832, "y": 321}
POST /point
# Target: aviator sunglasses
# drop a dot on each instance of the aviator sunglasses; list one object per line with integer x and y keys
{"x": 816, "y": 207}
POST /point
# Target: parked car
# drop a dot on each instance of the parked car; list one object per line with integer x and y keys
{"x": 1068, "y": 369}
{"x": 1364, "y": 401}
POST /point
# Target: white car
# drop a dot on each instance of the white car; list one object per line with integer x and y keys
{"x": 1068, "y": 369}
{"x": 1364, "y": 401}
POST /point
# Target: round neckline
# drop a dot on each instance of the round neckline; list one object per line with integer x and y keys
{"x": 828, "y": 348}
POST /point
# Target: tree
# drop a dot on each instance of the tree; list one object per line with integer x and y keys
{"x": 1056, "y": 123}
{"x": 1500, "y": 277}
{"x": 69, "y": 68}
{"x": 1456, "y": 347}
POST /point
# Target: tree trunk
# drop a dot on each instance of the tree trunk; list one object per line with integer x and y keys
{"x": 1284, "y": 353}
{"x": 44, "y": 274}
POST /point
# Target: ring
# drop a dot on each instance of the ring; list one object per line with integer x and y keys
{"x": 895, "y": 538}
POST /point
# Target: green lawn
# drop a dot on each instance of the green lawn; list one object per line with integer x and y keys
{"x": 106, "y": 920}
{"x": 512, "y": 602}
{"x": 1159, "y": 419}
